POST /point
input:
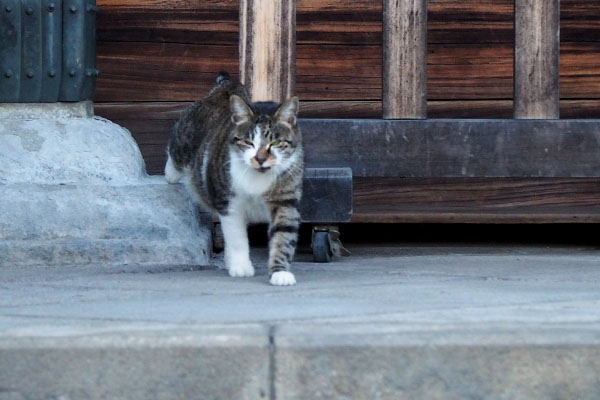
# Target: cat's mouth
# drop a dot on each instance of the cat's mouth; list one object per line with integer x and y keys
{"x": 263, "y": 169}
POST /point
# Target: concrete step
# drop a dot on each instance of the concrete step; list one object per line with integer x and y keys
{"x": 74, "y": 191}
{"x": 149, "y": 222}
{"x": 389, "y": 322}
{"x": 333, "y": 361}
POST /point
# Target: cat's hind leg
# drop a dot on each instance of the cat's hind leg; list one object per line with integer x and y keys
{"x": 172, "y": 174}
{"x": 237, "y": 249}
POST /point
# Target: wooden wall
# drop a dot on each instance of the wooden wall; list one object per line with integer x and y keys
{"x": 155, "y": 56}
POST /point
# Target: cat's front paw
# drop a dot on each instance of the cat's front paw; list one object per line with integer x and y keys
{"x": 282, "y": 278}
{"x": 241, "y": 269}
{"x": 172, "y": 175}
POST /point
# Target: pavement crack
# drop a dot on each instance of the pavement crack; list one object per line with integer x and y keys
{"x": 272, "y": 366}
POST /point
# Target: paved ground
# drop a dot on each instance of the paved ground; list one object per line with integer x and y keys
{"x": 410, "y": 285}
{"x": 412, "y": 321}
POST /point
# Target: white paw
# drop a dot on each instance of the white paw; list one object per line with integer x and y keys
{"x": 171, "y": 173}
{"x": 282, "y": 278}
{"x": 241, "y": 269}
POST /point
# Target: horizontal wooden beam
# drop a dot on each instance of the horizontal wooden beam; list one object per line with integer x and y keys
{"x": 455, "y": 148}
{"x": 477, "y": 200}
{"x": 151, "y": 123}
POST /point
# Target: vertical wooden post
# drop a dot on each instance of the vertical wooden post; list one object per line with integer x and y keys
{"x": 537, "y": 43}
{"x": 404, "y": 59}
{"x": 268, "y": 48}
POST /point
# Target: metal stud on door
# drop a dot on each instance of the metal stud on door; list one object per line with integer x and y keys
{"x": 47, "y": 50}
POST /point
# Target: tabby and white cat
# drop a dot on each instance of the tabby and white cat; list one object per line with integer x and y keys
{"x": 243, "y": 161}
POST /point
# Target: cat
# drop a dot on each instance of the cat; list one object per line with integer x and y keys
{"x": 245, "y": 162}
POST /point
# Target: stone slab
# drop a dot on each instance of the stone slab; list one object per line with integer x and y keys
{"x": 395, "y": 362}
{"x": 388, "y": 322}
{"x": 25, "y": 111}
{"x": 147, "y": 223}
{"x": 74, "y": 191}
{"x": 202, "y": 363}
{"x": 412, "y": 285}
{"x": 58, "y": 151}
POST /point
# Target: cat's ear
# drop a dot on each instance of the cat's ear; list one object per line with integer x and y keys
{"x": 288, "y": 111}
{"x": 240, "y": 111}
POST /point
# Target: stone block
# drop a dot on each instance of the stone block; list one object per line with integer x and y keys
{"x": 391, "y": 362}
{"x": 204, "y": 364}
{"x": 74, "y": 190}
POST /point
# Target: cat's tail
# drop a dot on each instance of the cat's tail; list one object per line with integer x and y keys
{"x": 223, "y": 77}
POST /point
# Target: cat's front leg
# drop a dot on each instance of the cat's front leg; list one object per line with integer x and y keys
{"x": 237, "y": 250}
{"x": 283, "y": 238}
{"x": 172, "y": 174}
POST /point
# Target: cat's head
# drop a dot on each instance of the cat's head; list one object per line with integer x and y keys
{"x": 265, "y": 135}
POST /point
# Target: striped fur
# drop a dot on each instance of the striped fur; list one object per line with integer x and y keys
{"x": 245, "y": 162}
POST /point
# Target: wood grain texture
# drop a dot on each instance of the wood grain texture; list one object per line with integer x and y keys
{"x": 150, "y": 123}
{"x": 333, "y": 21}
{"x": 455, "y": 147}
{"x": 172, "y": 51}
{"x": 470, "y": 21}
{"x": 404, "y": 59}
{"x": 477, "y": 200}
{"x": 424, "y": 149}
{"x": 158, "y": 71}
{"x": 267, "y": 48}
{"x": 580, "y": 70}
{"x": 536, "y": 59}
{"x": 579, "y": 21}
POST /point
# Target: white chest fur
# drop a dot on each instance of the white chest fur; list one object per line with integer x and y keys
{"x": 247, "y": 181}
{"x": 249, "y": 186}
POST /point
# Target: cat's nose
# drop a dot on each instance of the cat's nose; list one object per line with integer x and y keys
{"x": 260, "y": 159}
{"x": 261, "y": 156}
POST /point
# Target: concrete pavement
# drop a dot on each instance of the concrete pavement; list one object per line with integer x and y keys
{"x": 389, "y": 322}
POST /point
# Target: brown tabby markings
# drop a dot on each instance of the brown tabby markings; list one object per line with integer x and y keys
{"x": 245, "y": 162}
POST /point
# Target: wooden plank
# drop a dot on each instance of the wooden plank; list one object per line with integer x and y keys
{"x": 332, "y": 21}
{"x": 470, "y": 72}
{"x": 267, "y": 48}
{"x": 184, "y": 72}
{"x": 455, "y": 147}
{"x": 354, "y": 23}
{"x": 339, "y": 72}
{"x": 470, "y": 21}
{"x": 579, "y": 21}
{"x": 151, "y": 123}
{"x": 143, "y": 113}
{"x": 476, "y": 216}
{"x": 470, "y": 49}
{"x": 159, "y": 72}
{"x": 536, "y": 59}
{"x": 206, "y": 27}
{"x": 580, "y": 70}
{"x": 404, "y": 59}
{"x": 162, "y": 4}
{"x": 477, "y": 200}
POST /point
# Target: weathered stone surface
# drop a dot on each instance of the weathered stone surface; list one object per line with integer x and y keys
{"x": 148, "y": 223}
{"x": 75, "y": 191}
{"x": 395, "y": 363}
{"x": 82, "y": 109}
{"x": 58, "y": 151}
{"x": 204, "y": 364}
{"x": 389, "y": 322}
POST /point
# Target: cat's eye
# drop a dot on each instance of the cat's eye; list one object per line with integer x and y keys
{"x": 276, "y": 143}
{"x": 245, "y": 142}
